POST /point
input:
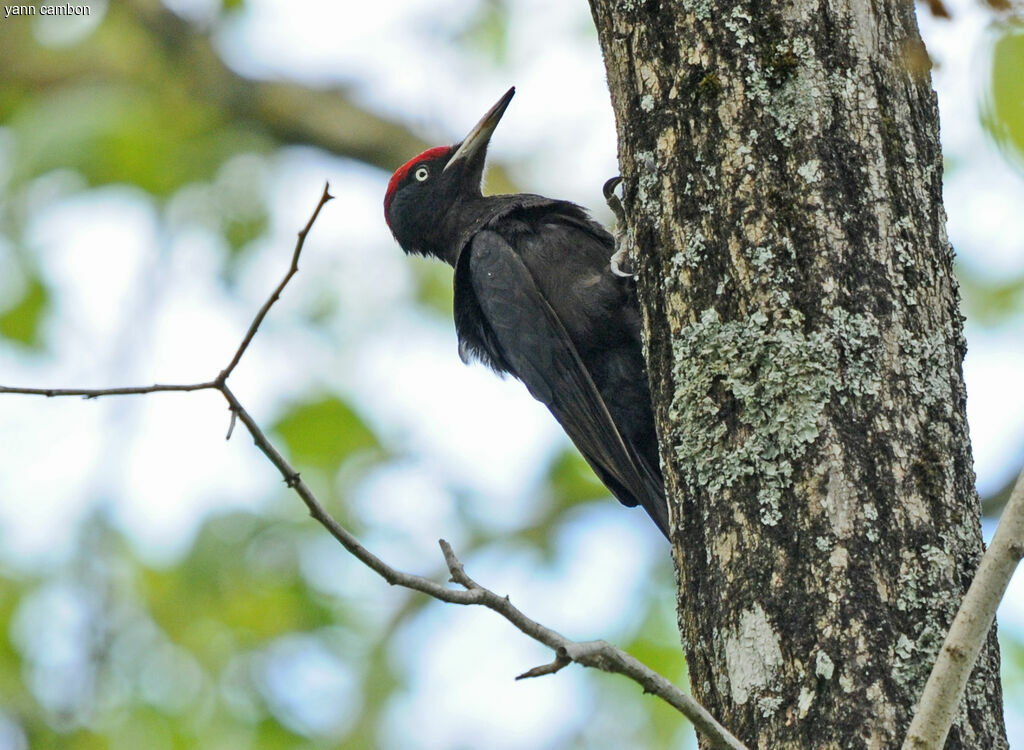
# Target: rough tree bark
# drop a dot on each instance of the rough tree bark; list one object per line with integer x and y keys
{"x": 783, "y": 193}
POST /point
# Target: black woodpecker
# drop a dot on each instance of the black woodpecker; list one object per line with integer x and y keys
{"x": 535, "y": 296}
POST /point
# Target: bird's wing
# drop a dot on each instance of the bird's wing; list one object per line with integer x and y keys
{"x": 525, "y": 335}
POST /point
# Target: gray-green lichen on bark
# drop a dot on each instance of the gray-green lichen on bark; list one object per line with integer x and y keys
{"x": 783, "y": 186}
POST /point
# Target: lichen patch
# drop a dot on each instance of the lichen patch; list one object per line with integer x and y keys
{"x": 752, "y": 656}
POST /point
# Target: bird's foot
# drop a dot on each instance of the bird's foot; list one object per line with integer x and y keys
{"x": 614, "y": 202}
{"x": 621, "y": 247}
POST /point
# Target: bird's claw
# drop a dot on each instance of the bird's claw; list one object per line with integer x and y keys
{"x": 613, "y": 200}
{"x": 616, "y": 259}
{"x": 615, "y": 204}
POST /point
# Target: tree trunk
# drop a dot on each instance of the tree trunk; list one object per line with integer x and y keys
{"x": 783, "y": 194}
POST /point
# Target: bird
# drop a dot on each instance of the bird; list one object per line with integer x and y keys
{"x": 536, "y": 297}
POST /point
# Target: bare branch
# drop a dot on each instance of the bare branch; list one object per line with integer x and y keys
{"x": 223, "y": 376}
{"x": 320, "y": 514}
{"x": 97, "y": 392}
{"x": 276, "y": 294}
{"x": 455, "y": 567}
{"x": 561, "y": 660}
{"x": 596, "y": 654}
{"x": 946, "y": 683}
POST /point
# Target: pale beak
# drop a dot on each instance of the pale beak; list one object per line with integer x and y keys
{"x": 476, "y": 142}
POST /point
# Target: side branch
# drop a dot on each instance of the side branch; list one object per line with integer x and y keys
{"x": 596, "y": 654}
{"x": 219, "y": 381}
{"x": 97, "y": 392}
{"x": 276, "y": 294}
{"x": 946, "y": 683}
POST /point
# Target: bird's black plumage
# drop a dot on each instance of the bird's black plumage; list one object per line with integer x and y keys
{"x": 535, "y": 297}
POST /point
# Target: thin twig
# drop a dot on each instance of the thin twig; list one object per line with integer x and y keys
{"x": 455, "y": 567}
{"x": 596, "y": 654}
{"x": 561, "y": 660}
{"x": 134, "y": 390}
{"x": 946, "y": 683}
{"x": 292, "y": 270}
{"x": 223, "y": 376}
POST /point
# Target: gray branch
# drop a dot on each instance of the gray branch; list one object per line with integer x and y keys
{"x": 946, "y": 683}
{"x": 596, "y": 654}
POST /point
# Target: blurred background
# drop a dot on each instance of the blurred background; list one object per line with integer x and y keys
{"x": 159, "y": 587}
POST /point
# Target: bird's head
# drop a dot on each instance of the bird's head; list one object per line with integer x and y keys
{"x": 424, "y": 202}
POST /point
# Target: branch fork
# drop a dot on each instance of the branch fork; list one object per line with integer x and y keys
{"x": 596, "y": 654}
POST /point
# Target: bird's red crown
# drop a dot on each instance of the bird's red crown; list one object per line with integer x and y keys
{"x": 402, "y": 171}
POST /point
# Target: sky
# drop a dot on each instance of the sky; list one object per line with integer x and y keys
{"x": 559, "y": 137}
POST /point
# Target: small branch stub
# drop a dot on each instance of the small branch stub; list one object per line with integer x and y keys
{"x": 561, "y": 660}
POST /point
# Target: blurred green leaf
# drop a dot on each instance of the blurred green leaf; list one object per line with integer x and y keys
{"x": 568, "y": 484}
{"x": 486, "y": 32}
{"x": 324, "y": 433}
{"x": 243, "y": 584}
{"x": 656, "y": 644}
{"x": 987, "y": 300}
{"x": 657, "y": 641}
{"x": 571, "y": 480}
{"x": 1011, "y": 648}
{"x": 44, "y": 738}
{"x": 1003, "y": 117}
{"x": 239, "y": 198}
{"x": 239, "y": 231}
{"x": 379, "y": 683}
{"x": 271, "y": 735}
{"x": 157, "y": 139}
{"x": 321, "y": 307}
{"x": 21, "y": 321}
{"x": 434, "y": 286}
{"x": 12, "y": 693}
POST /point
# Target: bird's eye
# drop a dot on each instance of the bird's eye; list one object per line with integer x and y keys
{"x": 421, "y": 174}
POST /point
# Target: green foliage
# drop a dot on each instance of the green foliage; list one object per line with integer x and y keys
{"x": 1011, "y": 648}
{"x": 623, "y": 721}
{"x": 324, "y": 432}
{"x": 21, "y": 321}
{"x": 240, "y": 230}
{"x": 1003, "y": 115}
{"x": 434, "y": 290}
{"x": 990, "y": 301}
{"x": 177, "y": 655}
{"x": 158, "y": 140}
{"x": 242, "y": 581}
{"x": 183, "y": 655}
{"x": 571, "y": 481}
{"x": 656, "y": 642}
{"x": 568, "y": 484}
{"x": 486, "y": 31}
{"x": 12, "y": 695}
